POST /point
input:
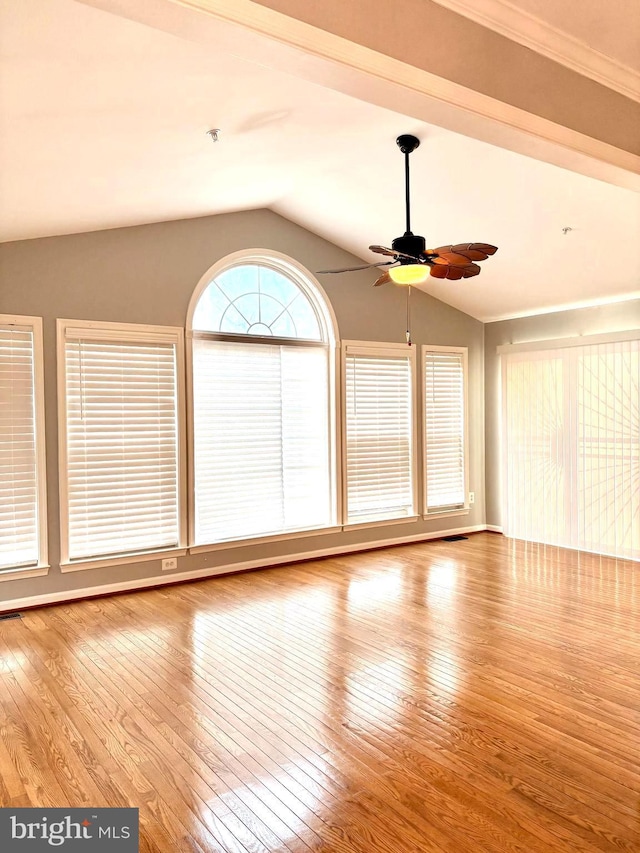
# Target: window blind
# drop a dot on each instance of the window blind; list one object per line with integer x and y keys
{"x": 261, "y": 439}
{"x": 379, "y": 434}
{"x": 121, "y": 445}
{"x": 445, "y": 429}
{"x": 19, "y": 541}
{"x": 571, "y": 447}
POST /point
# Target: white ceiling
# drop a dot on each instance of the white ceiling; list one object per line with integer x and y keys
{"x": 103, "y": 120}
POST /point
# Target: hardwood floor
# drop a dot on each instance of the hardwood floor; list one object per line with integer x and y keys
{"x": 481, "y": 695}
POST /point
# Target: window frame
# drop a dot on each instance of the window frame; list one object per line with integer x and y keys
{"x": 466, "y": 508}
{"x": 134, "y": 333}
{"x": 312, "y": 288}
{"x": 35, "y": 326}
{"x": 379, "y": 349}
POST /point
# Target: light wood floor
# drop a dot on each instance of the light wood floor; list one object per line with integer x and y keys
{"x": 467, "y": 696}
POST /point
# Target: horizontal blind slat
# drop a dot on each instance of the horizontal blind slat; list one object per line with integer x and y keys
{"x": 122, "y": 446}
{"x": 444, "y": 430}
{"x": 261, "y": 439}
{"x": 19, "y": 535}
{"x": 379, "y": 447}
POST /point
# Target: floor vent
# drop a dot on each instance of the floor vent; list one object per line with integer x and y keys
{"x": 5, "y": 616}
{"x": 455, "y": 538}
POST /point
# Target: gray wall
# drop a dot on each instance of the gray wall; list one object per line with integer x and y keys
{"x": 147, "y": 274}
{"x": 617, "y": 317}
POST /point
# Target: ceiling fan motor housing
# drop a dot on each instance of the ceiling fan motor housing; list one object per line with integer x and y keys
{"x": 409, "y": 244}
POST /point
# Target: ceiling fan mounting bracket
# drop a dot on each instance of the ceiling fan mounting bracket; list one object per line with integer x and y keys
{"x": 407, "y": 143}
{"x": 409, "y": 244}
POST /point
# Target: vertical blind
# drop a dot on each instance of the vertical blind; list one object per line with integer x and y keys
{"x": 571, "y": 447}
{"x": 122, "y": 446}
{"x": 379, "y": 435}
{"x": 261, "y": 439}
{"x": 445, "y": 429}
{"x": 19, "y": 545}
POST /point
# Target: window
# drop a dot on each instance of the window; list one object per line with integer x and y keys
{"x": 121, "y": 462}
{"x": 445, "y": 428}
{"x": 378, "y": 381}
{"x": 571, "y": 445}
{"x": 22, "y": 463}
{"x": 262, "y": 385}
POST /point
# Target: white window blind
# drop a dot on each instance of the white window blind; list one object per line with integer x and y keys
{"x": 19, "y": 468}
{"x": 571, "y": 447}
{"x": 445, "y": 428}
{"x": 261, "y": 439}
{"x": 378, "y": 385}
{"x": 122, "y": 442}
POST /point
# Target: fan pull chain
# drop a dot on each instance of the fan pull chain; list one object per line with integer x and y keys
{"x": 408, "y": 332}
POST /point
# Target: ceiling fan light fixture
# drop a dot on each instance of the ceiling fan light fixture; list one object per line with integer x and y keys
{"x": 412, "y": 262}
{"x": 409, "y": 274}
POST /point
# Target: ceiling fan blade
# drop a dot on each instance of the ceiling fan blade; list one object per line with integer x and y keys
{"x": 461, "y": 249}
{"x": 382, "y": 250}
{"x": 385, "y": 278}
{"x": 452, "y": 258}
{"x": 487, "y": 248}
{"x": 472, "y": 251}
{"x": 472, "y": 269}
{"x": 354, "y": 269}
{"x": 468, "y": 251}
{"x": 454, "y": 273}
{"x": 439, "y": 271}
{"x": 445, "y": 271}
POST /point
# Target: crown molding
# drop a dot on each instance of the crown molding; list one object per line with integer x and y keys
{"x": 530, "y": 31}
{"x": 571, "y": 306}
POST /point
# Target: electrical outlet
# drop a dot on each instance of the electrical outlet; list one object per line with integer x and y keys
{"x": 170, "y": 564}
{"x": 472, "y": 498}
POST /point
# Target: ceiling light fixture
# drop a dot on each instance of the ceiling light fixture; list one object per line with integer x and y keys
{"x": 412, "y": 263}
{"x": 213, "y": 133}
{"x": 409, "y": 274}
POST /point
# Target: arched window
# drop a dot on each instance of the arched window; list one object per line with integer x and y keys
{"x": 263, "y": 423}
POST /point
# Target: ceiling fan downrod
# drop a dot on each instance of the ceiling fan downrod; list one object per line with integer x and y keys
{"x": 408, "y": 244}
{"x": 407, "y": 144}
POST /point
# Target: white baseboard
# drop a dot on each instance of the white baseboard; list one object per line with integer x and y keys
{"x": 212, "y": 571}
{"x": 493, "y": 528}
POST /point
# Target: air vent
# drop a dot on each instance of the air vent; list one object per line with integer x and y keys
{"x": 5, "y": 616}
{"x": 455, "y": 538}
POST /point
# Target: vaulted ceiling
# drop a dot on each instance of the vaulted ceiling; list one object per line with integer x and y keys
{"x": 103, "y": 124}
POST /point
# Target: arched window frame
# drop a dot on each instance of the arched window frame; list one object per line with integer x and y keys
{"x": 319, "y": 300}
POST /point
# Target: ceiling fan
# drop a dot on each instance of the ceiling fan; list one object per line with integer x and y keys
{"x": 412, "y": 262}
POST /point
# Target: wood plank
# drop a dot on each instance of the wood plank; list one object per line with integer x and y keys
{"x": 481, "y": 695}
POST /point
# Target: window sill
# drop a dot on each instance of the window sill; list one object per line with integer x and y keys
{"x": 120, "y": 560}
{"x": 21, "y": 574}
{"x": 383, "y": 522}
{"x": 447, "y": 513}
{"x": 263, "y": 540}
